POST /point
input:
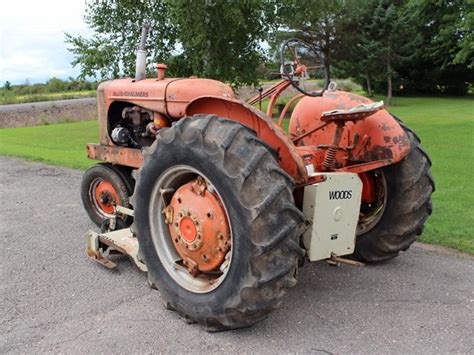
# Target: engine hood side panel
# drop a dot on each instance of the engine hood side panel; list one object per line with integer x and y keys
{"x": 169, "y": 96}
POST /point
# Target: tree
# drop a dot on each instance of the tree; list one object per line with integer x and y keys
{"x": 315, "y": 21}
{"x": 442, "y": 62}
{"x": 465, "y": 55}
{"x": 216, "y": 39}
{"x": 56, "y": 85}
{"x": 391, "y": 38}
{"x": 111, "y": 50}
{"x": 7, "y": 85}
{"x": 356, "y": 53}
{"x": 221, "y": 38}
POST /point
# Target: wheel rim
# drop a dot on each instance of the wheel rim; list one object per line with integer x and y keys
{"x": 371, "y": 212}
{"x": 103, "y": 196}
{"x": 190, "y": 229}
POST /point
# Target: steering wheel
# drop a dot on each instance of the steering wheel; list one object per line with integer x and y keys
{"x": 304, "y": 59}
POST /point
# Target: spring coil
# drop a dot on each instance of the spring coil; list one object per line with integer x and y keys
{"x": 330, "y": 157}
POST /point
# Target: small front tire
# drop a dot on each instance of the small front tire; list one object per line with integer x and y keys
{"x": 103, "y": 186}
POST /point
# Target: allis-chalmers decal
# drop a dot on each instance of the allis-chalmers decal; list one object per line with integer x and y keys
{"x": 131, "y": 93}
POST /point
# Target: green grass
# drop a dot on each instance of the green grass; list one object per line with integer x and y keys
{"x": 57, "y": 144}
{"x": 10, "y": 98}
{"x": 445, "y": 126}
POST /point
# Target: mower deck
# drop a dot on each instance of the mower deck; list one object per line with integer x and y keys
{"x": 100, "y": 245}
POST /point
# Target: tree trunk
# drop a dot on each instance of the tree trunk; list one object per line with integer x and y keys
{"x": 389, "y": 88}
{"x": 369, "y": 85}
{"x": 389, "y": 73}
{"x": 327, "y": 49}
{"x": 389, "y": 81}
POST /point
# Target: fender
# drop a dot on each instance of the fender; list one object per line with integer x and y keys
{"x": 378, "y": 138}
{"x": 261, "y": 124}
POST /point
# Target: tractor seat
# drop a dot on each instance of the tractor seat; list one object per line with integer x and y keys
{"x": 354, "y": 114}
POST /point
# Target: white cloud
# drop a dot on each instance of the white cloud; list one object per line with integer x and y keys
{"x": 32, "y": 39}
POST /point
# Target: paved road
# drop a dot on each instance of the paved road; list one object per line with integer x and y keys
{"x": 46, "y": 104}
{"x": 55, "y": 300}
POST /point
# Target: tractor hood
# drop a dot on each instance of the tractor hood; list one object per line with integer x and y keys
{"x": 168, "y": 96}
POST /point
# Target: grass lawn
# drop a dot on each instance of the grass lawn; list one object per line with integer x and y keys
{"x": 10, "y": 98}
{"x": 446, "y": 129}
{"x": 56, "y": 144}
{"x": 445, "y": 125}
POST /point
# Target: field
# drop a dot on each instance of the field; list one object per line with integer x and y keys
{"x": 57, "y": 144}
{"x": 445, "y": 125}
{"x": 7, "y": 97}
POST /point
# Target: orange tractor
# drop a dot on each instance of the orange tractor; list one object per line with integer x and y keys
{"x": 220, "y": 206}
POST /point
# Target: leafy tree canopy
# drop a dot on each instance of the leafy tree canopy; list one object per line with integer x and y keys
{"x": 212, "y": 38}
{"x": 404, "y": 45}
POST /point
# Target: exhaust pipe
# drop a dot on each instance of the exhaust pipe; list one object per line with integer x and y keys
{"x": 140, "y": 67}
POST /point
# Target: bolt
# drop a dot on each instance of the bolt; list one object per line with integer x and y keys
{"x": 188, "y": 214}
{"x": 204, "y": 257}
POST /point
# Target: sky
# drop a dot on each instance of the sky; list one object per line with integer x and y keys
{"x": 32, "y": 39}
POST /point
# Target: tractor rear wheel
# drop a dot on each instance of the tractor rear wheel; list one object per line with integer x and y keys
{"x": 104, "y": 185}
{"x": 216, "y": 223}
{"x": 403, "y": 204}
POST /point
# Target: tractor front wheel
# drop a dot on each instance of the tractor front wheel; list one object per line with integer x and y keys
{"x": 103, "y": 186}
{"x": 216, "y": 223}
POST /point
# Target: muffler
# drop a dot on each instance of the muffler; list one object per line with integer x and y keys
{"x": 140, "y": 67}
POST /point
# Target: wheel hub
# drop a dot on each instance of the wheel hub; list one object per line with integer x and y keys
{"x": 106, "y": 196}
{"x": 374, "y": 199}
{"x": 187, "y": 229}
{"x": 199, "y": 227}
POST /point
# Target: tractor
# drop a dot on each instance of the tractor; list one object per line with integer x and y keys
{"x": 220, "y": 205}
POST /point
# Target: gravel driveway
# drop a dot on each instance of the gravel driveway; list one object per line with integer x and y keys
{"x": 54, "y": 299}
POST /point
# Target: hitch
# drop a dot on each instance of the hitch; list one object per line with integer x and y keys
{"x": 337, "y": 260}
{"x": 99, "y": 246}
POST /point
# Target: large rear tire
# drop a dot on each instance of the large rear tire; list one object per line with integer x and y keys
{"x": 408, "y": 186}
{"x": 265, "y": 224}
